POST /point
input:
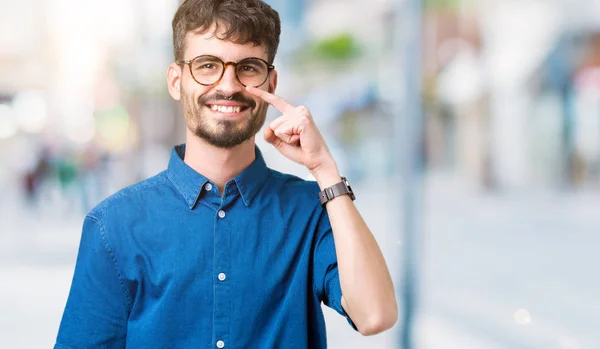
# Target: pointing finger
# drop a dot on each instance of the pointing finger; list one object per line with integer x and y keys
{"x": 279, "y": 103}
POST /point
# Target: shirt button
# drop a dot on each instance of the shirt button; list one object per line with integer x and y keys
{"x": 222, "y": 276}
{"x": 222, "y": 214}
{"x": 208, "y": 187}
{"x": 220, "y": 344}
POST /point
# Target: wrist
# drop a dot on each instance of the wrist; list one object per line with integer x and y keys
{"x": 326, "y": 176}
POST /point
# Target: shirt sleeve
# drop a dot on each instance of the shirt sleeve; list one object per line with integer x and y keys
{"x": 96, "y": 312}
{"x": 325, "y": 268}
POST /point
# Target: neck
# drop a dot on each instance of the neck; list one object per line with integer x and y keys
{"x": 217, "y": 164}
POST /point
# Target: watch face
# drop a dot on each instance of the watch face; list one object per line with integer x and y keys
{"x": 346, "y": 183}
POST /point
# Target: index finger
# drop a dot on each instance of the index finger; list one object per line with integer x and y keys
{"x": 281, "y": 104}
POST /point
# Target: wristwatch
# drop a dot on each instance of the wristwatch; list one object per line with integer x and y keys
{"x": 341, "y": 188}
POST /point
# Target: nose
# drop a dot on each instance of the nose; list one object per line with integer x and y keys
{"x": 229, "y": 83}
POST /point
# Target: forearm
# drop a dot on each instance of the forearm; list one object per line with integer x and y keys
{"x": 367, "y": 287}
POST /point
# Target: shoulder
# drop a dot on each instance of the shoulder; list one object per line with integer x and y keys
{"x": 129, "y": 197}
{"x": 298, "y": 194}
{"x": 293, "y": 185}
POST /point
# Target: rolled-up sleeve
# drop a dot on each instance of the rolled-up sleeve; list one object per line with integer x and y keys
{"x": 325, "y": 268}
{"x": 97, "y": 308}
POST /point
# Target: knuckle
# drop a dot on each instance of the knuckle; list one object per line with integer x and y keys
{"x": 303, "y": 110}
{"x": 304, "y": 119}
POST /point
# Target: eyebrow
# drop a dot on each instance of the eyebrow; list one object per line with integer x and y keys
{"x": 217, "y": 57}
{"x": 214, "y": 58}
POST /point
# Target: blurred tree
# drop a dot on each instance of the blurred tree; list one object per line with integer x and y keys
{"x": 441, "y": 4}
{"x": 339, "y": 47}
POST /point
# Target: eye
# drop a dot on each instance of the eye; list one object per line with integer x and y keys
{"x": 208, "y": 66}
{"x": 248, "y": 69}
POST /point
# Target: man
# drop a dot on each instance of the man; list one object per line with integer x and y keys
{"x": 219, "y": 251}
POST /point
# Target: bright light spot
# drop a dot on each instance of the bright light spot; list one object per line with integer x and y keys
{"x": 122, "y": 16}
{"x": 522, "y": 317}
{"x": 462, "y": 79}
{"x": 30, "y": 111}
{"x": 566, "y": 342}
{"x": 81, "y": 132}
{"x": 8, "y": 124}
{"x": 78, "y": 122}
{"x": 113, "y": 125}
{"x": 79, "y": 62}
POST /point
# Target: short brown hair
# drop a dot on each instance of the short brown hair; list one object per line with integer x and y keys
{"x": 246, "y": 21}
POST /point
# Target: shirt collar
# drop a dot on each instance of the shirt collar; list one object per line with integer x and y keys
{"x": 252, "y": 178}
{"x": 189, "y": 183}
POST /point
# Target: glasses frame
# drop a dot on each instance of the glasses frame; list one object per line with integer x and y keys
{"x": 189, "y": 63}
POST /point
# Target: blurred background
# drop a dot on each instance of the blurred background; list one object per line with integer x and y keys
{"x": 489, "y": 224}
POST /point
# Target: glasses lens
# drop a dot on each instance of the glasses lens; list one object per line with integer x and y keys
{"x": 207, "y": 69}
{"x": 252, "y": 72}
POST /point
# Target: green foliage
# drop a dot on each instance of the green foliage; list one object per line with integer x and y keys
{"x": 441, "y": 4}
{"x": 338, "y": 48}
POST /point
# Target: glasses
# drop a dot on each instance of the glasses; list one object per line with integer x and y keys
{"x": 208, "y": 70}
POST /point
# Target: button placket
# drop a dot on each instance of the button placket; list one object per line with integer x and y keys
{"x": 222, "y": 291}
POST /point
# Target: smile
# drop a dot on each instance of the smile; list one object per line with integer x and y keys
{"x": 227, "y": 109}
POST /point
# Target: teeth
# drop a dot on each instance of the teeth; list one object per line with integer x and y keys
{"x": 226, "y": 109}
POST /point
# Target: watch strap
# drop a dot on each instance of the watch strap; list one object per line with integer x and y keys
{"x": 338, "y": 189}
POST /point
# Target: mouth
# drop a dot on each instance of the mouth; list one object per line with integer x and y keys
{"x": 230, "y": 110}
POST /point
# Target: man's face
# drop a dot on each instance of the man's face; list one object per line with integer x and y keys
{"x": 223, "y": 114}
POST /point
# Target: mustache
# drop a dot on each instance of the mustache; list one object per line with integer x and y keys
{"x": 218, "y": 96}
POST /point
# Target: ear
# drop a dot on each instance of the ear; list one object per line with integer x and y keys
{"x": 272, "y": 81}
{"x": 174, "y": 80}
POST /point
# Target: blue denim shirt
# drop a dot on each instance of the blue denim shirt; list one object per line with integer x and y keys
{"x": 170, "y": 263}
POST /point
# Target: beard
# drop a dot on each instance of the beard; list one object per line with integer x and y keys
{"x": 224, "y": 134}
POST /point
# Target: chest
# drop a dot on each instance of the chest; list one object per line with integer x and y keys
{"x": 248, "y": 249}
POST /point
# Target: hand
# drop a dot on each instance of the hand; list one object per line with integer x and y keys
{"x": 296, "y": 136}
